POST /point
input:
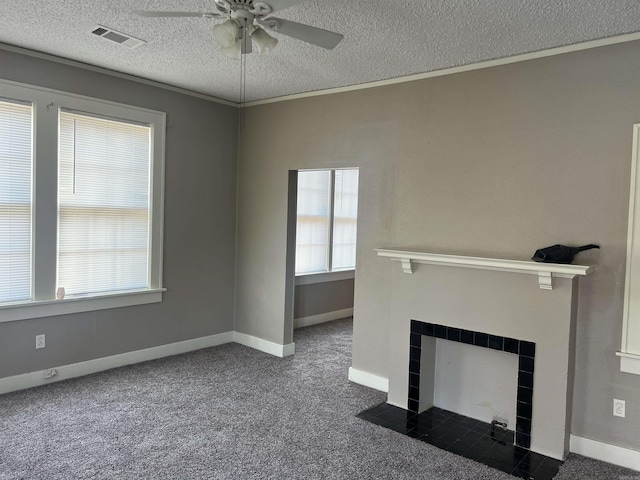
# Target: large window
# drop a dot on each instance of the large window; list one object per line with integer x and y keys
{"x": 103, "y": 205}
{"x": 16, "y": 120}
{"x": 326, "y": 220}
{"x": 81, "y": 197}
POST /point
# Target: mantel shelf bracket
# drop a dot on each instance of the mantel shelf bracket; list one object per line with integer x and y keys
{"x": 545, "y": 280}
{"x": 407, "y": 266}
{"x": 545, "y": 271}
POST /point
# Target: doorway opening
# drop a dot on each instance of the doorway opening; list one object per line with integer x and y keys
{"x": 321, "y": 244}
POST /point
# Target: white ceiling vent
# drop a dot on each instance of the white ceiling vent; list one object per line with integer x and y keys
{"x": 118, "y": 37}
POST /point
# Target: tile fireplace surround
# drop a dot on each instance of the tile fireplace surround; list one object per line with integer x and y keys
{"x": 519, "y": 304}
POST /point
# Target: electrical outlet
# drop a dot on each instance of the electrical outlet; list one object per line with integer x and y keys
{"x": 618, "y": 408}
{"x": 49, "y": 373}
{"x": 40, "y": 341}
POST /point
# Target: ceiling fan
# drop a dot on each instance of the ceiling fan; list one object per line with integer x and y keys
{"x": 245, "y": 25}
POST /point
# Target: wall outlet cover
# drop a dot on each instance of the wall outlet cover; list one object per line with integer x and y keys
{"x": 618, "y": 408}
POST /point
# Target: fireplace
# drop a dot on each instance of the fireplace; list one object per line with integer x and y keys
{"x": 420, "y": 372}
{"x": 520, "y": 307}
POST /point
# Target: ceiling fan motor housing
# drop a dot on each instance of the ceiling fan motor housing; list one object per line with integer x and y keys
{"x": 244, "y": 9}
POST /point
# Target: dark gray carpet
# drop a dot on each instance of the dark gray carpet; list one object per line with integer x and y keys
{"x": 228, "y": 412}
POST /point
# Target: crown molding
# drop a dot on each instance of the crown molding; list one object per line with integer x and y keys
{"x": 113, "y": 73}
{"x": 629, "y": 37}
{"x": 524, "y": 57}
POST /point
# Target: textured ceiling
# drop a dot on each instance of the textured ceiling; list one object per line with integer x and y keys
{"x": 382, "y": 39}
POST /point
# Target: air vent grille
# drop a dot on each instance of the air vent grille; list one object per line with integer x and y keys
{"x": 117, "y": 37}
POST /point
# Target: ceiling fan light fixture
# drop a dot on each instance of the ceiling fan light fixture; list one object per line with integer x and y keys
{"x": 227, "y": 33}
{"x": 233, "y": 51}
{"x": 263, "y": 41}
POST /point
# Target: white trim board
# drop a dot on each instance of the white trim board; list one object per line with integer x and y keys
{"x": 50, "y": 308}
{"x": 64, "y": 372}
{"x": 264, "y": 345}
{"x": 605, "y": 452}
{"x": 629, "y": 345}
{"x": 629, "y": 362}
{"x": 34, "y": 379}
{"x": 368, "y": 380}
{"x": 322, "y": 318}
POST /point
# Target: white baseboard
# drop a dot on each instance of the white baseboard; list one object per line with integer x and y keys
{"x": 399, "y": 405}
{"x": 322, "y": 318}
{"x": 369, "y": 380}
{"x": 264, "y": 345}
{"x": 64, "y": 372}
{"x": 623, "y": 457}
{"x": 34, "y": 379}
{"x": 605, "y": 452}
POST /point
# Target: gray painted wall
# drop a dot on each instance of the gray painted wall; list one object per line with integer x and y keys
{"x": 494, "y": 162}
{"x": 323, "y": 297}
{"x": 199, "y": 229}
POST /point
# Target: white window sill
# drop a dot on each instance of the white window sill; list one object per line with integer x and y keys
{"x": 312, "y": 278}
{"x": 50, "y": 308}
{"x": 629, "y": 363}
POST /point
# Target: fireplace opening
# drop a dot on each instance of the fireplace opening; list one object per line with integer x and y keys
{"x": 480, "y": 383}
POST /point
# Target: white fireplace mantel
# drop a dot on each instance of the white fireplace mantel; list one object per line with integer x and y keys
{"x": 545, "y": 271}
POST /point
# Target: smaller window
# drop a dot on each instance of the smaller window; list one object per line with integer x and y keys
{"x": 326, "y": 220}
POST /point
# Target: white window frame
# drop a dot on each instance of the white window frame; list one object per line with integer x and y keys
{"x": 331, "y": 275}
{"x": 46, "y": 105}
{"x": 630, "y": 346}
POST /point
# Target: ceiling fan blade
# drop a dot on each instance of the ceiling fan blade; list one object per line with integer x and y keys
{"x": 175, "y": 14}
{"x": 306, "y": 33}
{"x": 282, "y": 4}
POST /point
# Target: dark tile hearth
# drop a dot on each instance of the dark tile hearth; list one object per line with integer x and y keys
{"x": 467, "y": 437}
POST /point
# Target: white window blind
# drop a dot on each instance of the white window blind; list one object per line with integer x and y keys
{"x": 326, "y": 220}
{"x": 345, "y": 219}
{"x": 16, "y": 121}
{"x": 103, "y": 204}
{"x": 312, "y": 232}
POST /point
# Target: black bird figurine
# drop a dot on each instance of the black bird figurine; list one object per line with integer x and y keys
{"x": 559, "y": 253}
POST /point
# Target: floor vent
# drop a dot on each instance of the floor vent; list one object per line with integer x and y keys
{"x": 118, "y": 37}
